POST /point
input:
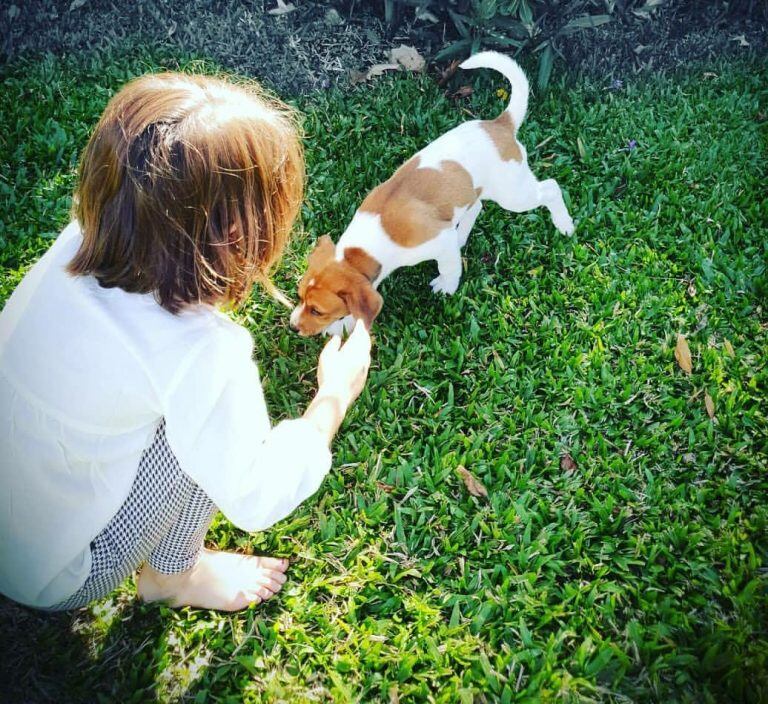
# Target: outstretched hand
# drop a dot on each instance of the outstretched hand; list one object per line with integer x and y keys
{"x": 343, "y": 369}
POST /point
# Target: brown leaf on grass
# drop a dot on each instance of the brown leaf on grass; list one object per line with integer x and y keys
{"x": 380, "y": 69}
{"x": 567, "y": 463}
{"x": 385, "y": 487}
{"x": 408, "y": 58}
{"x": 683, "y": 354}
{"x": 447, "y": 73}
{"x": 282, "y": 8}
{"x": 709, "y": 404}
{"x": 474, "y": 486}
{"x": 463, "y": 92}
{"x": 729, "y": 347}
{"x": 394, "y": 695}
{"x": 356, "y": 77}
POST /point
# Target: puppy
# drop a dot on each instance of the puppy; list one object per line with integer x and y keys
{"x": 426, "y": 211}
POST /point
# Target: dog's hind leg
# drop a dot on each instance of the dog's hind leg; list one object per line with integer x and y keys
{"x": 550, "y": 195}
{"x": 530, "y": 193}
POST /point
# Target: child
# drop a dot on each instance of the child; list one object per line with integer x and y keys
{"x": 130, "y": 408}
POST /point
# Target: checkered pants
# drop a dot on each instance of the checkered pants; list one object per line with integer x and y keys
{"x": 163, "y": 521}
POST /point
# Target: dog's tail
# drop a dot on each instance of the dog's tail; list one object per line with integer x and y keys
{"x": 509, "y": 68}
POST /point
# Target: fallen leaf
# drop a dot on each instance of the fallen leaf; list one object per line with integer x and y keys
{"x": 408, "y": 58}
{"x": 394, "y": 696}
{"x": 463, "y": 92}
{"x": 384, "y": 487}
{"x": 380, "y": 69}
{"x": 709, "y": 404}
{"x": 729, "y": 347}
{"x": 741, "y": 39}
{"x": 691, "y": 289}
{"x": 567, "y": 463}
{"x": 683, "y": 354}
{"x": 76, "y": 4}
{"x": 356, "y": 77}
{"x": 474, "y": 486}
{"x": 283, "y": 8}
{"x": 447, "y": 74}
{"x": 710, "y": 74}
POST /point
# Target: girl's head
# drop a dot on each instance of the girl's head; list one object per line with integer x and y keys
{"x": 188, "y": 188}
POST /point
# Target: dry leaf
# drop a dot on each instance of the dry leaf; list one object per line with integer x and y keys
{"x": 741, "y": 39}
{"x": 729, "y": 347}
{"x": 356, "y": 77}
{"x": 282, "y": 8}
{"x": 463, "y": 92}
{"x": 447, "y": 74}
{"x": 567, "y": 463}
{"x": 76, "y": 4}
{"x": 385, "y": 487}
{"x": 683, "y": 354}
{"x": 408, "y": 58}
{"x": 474, "y": 486}
{"x": 394, "y": 696}
{"x": 709, "y": 404}
{"x": 379, "y": 69}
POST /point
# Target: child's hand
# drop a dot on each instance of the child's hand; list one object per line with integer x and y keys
{"x": 342, "y": 370}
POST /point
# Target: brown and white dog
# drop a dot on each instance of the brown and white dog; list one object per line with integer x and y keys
{"x": 426, "y": 211}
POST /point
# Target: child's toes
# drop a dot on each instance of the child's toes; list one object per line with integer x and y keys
{"x": 279, "y": 564}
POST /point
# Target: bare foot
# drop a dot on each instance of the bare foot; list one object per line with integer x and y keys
{"x": 223, "y": 581}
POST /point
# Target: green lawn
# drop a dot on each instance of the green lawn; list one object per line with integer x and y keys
{"x": 639, "y": 574}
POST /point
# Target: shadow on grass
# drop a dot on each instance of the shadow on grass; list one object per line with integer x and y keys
{"x": 88, "y": 655}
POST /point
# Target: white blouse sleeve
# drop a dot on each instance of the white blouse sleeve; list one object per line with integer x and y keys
{"x": 218, "y": 428}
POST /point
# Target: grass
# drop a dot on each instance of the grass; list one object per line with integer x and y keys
{"x": 637, "y": 573}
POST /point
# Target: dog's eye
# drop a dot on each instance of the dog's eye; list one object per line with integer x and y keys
{"x": 314, "y": 311}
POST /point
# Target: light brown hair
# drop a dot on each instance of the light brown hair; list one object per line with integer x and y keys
{"x": 188, "y": 188}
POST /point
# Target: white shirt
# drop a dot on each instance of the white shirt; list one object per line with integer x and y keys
{"x": 86, "y": 374}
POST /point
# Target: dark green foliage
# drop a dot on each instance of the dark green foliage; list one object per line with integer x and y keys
{"x": 639, "y": 575}
{"x": 538, "y": 28}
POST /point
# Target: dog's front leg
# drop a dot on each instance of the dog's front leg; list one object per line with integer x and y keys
{"x": 464, "y": 226}
{"x": 449, "y": 266}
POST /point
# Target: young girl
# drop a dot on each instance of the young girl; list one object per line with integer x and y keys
{"x": 130, "y": 408}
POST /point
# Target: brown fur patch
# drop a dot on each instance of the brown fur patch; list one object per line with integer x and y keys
{"x": 502, "y": 131}
{"x": 417, "y": 204}
{"x": 359, "y": 259}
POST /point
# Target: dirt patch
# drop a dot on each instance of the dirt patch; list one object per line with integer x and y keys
{"x": 319, "y": 44}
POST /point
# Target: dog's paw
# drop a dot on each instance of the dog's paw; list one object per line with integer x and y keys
{"x": 445, "y": 284}
{"x": 564, "y": 225}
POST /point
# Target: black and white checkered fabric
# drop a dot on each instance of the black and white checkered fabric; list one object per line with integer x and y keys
{"x": 163, "y": 521}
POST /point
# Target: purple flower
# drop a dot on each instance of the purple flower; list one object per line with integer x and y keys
{"x": 632, "y": 144}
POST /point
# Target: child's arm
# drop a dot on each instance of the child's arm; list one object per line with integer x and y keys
{"x": 218, "y": 428}
{"x": 341, "y": 375}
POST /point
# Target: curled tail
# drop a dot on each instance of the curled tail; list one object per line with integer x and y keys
{"x": 509, "y": 68}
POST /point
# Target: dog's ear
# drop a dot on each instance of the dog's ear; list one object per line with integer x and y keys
{"x": 363, "y": 262}
{"x": 323, "y": 252}
{"x": 363, "y": 300}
